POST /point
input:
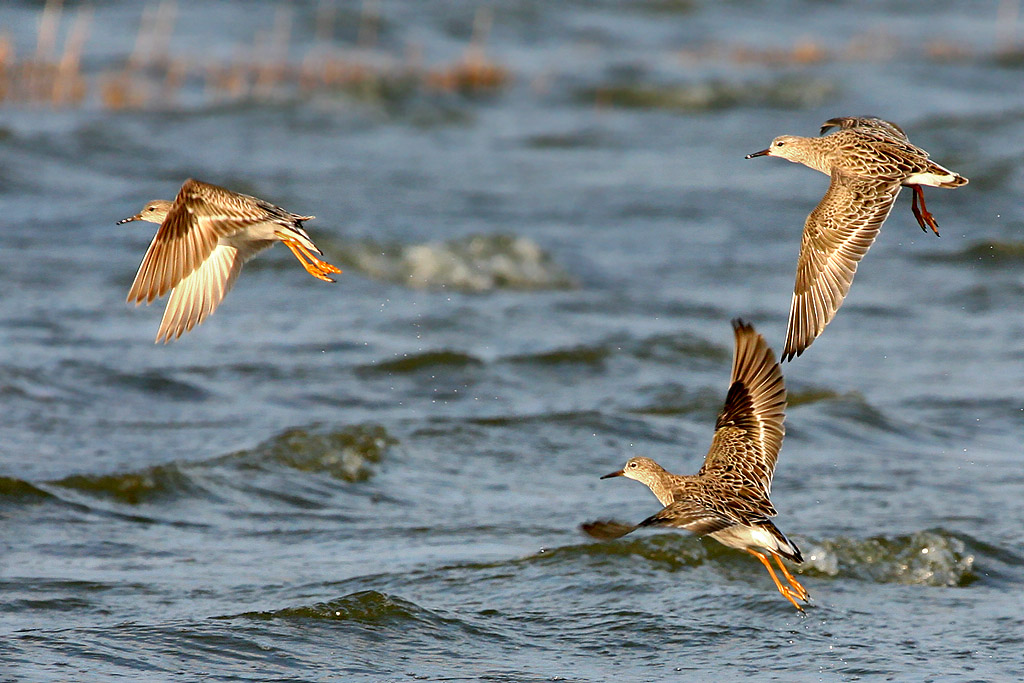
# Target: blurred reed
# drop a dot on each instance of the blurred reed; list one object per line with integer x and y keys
{"x": 278, "y": 64}
{"x": 152, "y": 76}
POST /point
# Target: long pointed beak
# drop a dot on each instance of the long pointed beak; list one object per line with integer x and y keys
{"x": 617, "y": 473}
{"x": 136, "y": 217}
{"x": 763, "y": 152}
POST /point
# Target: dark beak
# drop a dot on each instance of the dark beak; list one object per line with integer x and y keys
{"x": 136, "y": 217}
{"x": 617, "y": 473}
{"x": 762, "y": 153}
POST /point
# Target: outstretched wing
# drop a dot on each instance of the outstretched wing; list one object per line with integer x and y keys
{"x": 836, "y": 236}
{"x": 200, "y": 215}
{"x": 749, "y": 430}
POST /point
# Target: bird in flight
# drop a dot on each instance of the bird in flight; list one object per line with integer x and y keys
{"x": 869, "y": 160}
{"x": 205, "y": 236}
{"x": 728, "y": 499}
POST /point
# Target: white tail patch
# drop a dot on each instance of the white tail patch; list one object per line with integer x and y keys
{"x": 932, "y": 179}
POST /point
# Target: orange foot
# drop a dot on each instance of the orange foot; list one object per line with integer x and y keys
{"x": 315, "y": 266}
{"x": 789, "y": 593}
{"x": 797, "y": 586}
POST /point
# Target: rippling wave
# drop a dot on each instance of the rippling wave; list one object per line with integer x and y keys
{"x": 713, "y": 95}
{"x": 16, "y": 490}
{"x": 477, "y": 263}
{"x": 368, "y": 607}
{"x": 348, "y": 454}
{"x": 430, "y": 360}
{"x": 663, "y": 348}
{"x": 993, "y": 253}
{"x": 933, "y": 557}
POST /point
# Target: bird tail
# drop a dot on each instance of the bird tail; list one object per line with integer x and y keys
{"x": 783, "y": 546}
{"x": 296, "y": 232}
{"x": 957, "y": 181}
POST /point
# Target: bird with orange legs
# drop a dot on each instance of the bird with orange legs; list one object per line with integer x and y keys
{"x": 205, "y": 236}
{"x": 869, "y": 160}
{"x": 728, "y": 499}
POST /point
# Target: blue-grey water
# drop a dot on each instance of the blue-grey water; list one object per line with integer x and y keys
{"x": 382, "y": 479}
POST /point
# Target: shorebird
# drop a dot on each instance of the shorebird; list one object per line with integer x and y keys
{"x": 869, "y": 160}
{"x": 728, "y": 499}
{"x": 205, "y": 236}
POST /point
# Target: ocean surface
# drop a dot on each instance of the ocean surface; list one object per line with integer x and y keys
{"x": 383, "y": 479}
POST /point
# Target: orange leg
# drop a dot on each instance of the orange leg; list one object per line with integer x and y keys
{"x": 924, "y": 217}
{"x": 786, "y": 591}
{"x": 320, "y": 264}
{"x": 800, "y": 590}
{"x": 313, "y": 265}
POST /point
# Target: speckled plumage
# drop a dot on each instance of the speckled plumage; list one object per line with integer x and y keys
{"x": 845, "y": 122}
{"x": 868, "y": 160}
{"x": 728, "y": 499}
{"x": 205, "y": 236}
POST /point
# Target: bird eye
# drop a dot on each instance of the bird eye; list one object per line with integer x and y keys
{"x": 632, "y": 464}
{"x": 779, "y": 144}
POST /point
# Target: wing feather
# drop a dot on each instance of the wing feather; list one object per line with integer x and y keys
{"x": 749, "y": 429}
{"x": 836, "y": 236}
{"x": 690, "y": 515}
{"x": 199, "y": 294}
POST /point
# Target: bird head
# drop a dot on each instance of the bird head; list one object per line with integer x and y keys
{"x": 643, "y": 470}
{"x": 785, "y": 146}
{"x": 153, "y": 212}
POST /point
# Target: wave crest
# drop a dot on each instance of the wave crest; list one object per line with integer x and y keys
{"x": 925, "y": 558}
{"x": 365, "y": 607}
{"x": 346, "y": 454}
{"x": 476, "y": 263}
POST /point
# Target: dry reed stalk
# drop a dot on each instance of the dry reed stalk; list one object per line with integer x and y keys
{"x": 313, "y": 69}
{"x": 123, "y": 89}
{"x": 69, "y": 86}
{"x": 237, "y": 81}
{"x": 475, "y": 71}
{"x": 163, "y": 30}
{"x": 7, "y": 61}
{"x": 273, "y": 68}
{"x": 46, "y": 37}
{"x": 1006, "y": 25}
{"x": 174, "y": 78}
{"x": 143, "y": 36}
{"x": 38, "y": 73}
{"x": 325, "y": 13}
{"x": 369, "y": 22}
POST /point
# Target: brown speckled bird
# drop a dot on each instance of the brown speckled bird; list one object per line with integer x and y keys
{"x": 869, "y": 160}
{"x": 205, "y": 236}
{"x": 728, "y": 499}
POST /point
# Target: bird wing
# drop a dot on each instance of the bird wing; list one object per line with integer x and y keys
{"x": 199, "y": 293}
{"x": 607, "y": 529}
{"x": 687, "y": 513}
{"x": 836, "y": 236}
{"x": 199, "y": 217}
{"x": 691, "y": 515}
{"x": 749, "y": 429}
{"x": 869, "y": 122}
